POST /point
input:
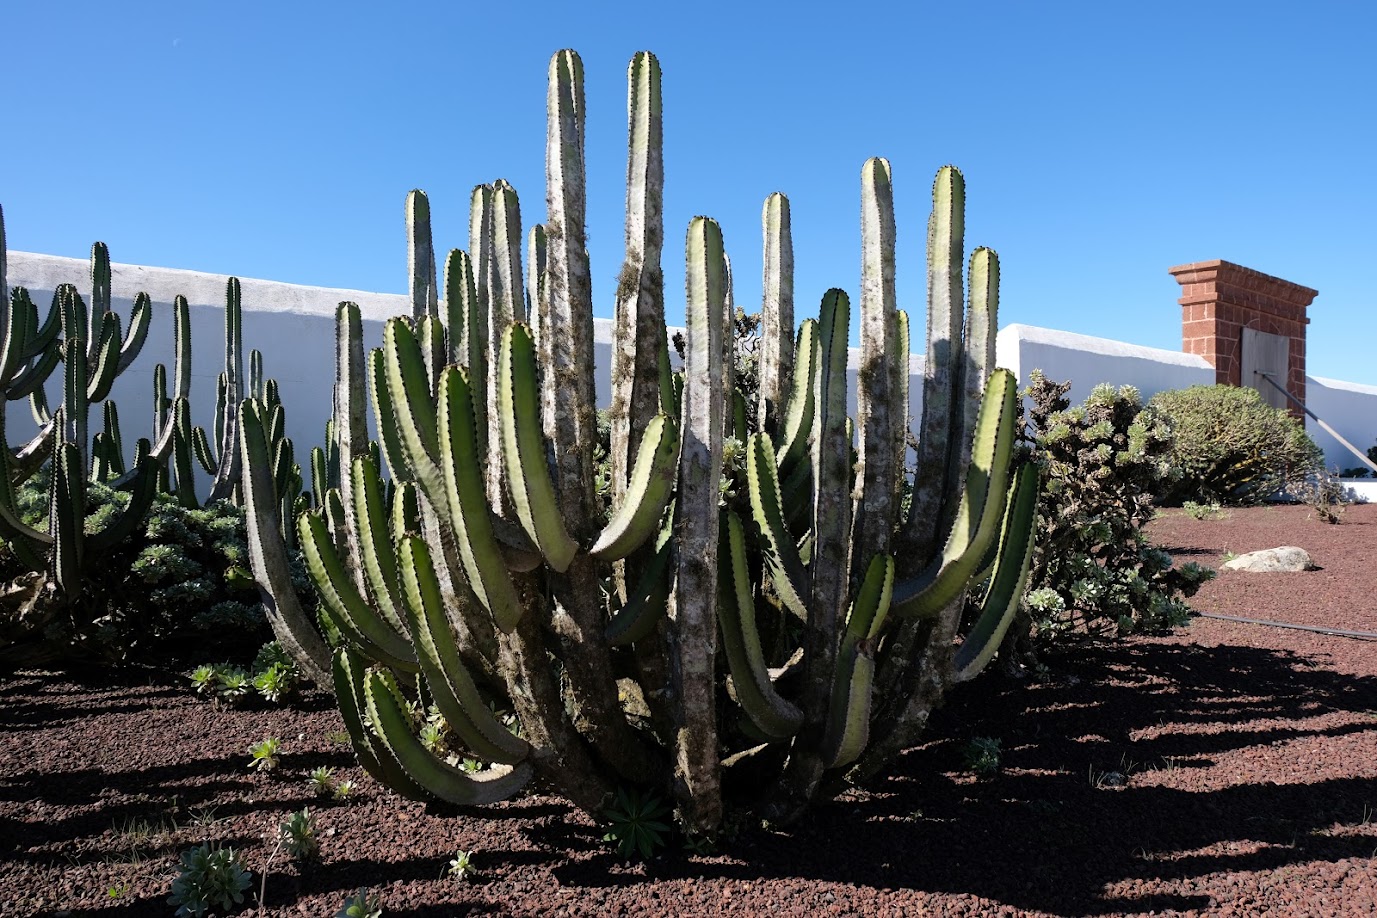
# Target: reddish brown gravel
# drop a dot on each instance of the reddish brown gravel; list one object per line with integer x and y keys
{"x": 1229, "y": 769}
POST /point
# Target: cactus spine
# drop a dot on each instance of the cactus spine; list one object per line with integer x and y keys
{"x": 837, "y": 616}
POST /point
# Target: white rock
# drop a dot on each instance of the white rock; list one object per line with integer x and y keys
{"x": 1287, "y": 558}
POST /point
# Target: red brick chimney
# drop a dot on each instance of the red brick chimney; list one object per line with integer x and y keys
{"x": 1219, "y": 299}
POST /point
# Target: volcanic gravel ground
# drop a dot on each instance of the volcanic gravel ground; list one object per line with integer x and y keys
{"x": 1229, "y": 769}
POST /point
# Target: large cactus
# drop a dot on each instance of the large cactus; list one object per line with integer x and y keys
{"x": 496, "y": 574}
{"x": 93, "y": 351}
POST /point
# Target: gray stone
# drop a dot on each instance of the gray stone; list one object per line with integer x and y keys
{"x": 1285, "y": 559}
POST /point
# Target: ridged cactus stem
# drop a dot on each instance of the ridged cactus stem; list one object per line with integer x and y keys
{"x": 776, "y": 310}
{"x": 639, "y": 334}
{"x": 458, "y": 280}
{"x": 420, "y": 256}
{"x": 696, "y": 533}
{"x": 100, "y": 296}
{"x": 535, "y": 284}
{"x": 982, "y": 322}
{"x": 877, "y": 412}
{"x": 350, "y": 420}
{"x": 181, "y": 353}
{"x": 481, "y": 352}
{"x": 227, "y": 475}
{"x": 940, "y": 372}
{"x": 506, "y": 304}
{"x": 569, "y": 398}
{"x": 829, "y": 567}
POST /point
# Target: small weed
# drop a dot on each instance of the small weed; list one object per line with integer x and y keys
{"x": 265, "y": 754}
{"x": 461, "y": 867}
{"x": 982, "y": 755}
{"x": 338, "y": 737}
{"x": 471, "y": 766}
{"x": 1227, "y": 556}
{"x": 344, "y": 790}
{"x": 1198, "y": 511}
{"x": 118, "y": 891}
{"x": 1170, "y": 764}
{"x": 1101, "y": 779}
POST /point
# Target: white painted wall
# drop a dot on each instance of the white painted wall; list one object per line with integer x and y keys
{"x": 294, "y": 328}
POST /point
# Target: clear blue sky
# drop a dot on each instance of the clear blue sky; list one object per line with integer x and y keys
{"x": 1101, "y": 142}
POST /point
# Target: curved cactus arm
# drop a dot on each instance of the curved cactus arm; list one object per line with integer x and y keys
{"x": 776, "y": 310}
{"x": 337, "y": 591}
{"x": 946, "y": 229}
{"x": 775, "y": 717}
{"x": 693, "y": 613}
{"x": 848, "y": 719}
{"x": 877, "y": 409}
{"x": 420, "y": 255}
{"x": 451, "y": 686}
{"x": 49, "y": 330}
{"x": 100, "y": 457}
{"x": 200, "y": 445}
{"x": 412, "y": 410}
{"x": 465, "y": 501}
{"x": 139, "y": 321}
{"x": 38, "y": 407}
{"x": 285, "y": 470}
{"x": 106, "y": 362}
{"x": 32, "y": 379}
{"x": 349, "y": 670}
{"x": 376, "y": 556}
{"x": 14, "y": 336}
{"x": 647, "y": 602}
{"x": 981, "y": 509}
{"x": 31, "y": 545}
{"x": 268, "y": 555}
{"x": 648, "y": 492}
{"x": 381, "y": 397}
{"x": 523, "y": 449}
{"x": 796, "y": 420}
{"x": 451, "y": 784}
{"x": 1009, "y": 579}
{"x": 143, "y": 489}
{"x": 778, "y": 546}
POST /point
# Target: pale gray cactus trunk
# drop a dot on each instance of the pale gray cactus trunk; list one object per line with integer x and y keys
{"x": 569, "y": 400}
{"x": 776, "y": 309}
{"x": 639, "y": 334}
{"x": 694, "y": 598}
{"x": 421, "y": 256}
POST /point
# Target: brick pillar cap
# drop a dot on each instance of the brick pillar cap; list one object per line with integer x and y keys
{"x": 1239, "y": 276}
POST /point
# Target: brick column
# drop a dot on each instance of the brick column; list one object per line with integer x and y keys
{"x": 1219, "y": 299}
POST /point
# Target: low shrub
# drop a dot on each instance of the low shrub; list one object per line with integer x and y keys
{"x": 1230, "y": 446}
{"x": 1094, "y": 570}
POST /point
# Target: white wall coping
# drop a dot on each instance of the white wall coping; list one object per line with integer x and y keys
{"x": 1359, "y": 388}
{"x": 1107, "y": 347}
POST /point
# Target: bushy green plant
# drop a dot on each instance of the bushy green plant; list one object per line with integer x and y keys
{"x": 1230, "y": 446}
{"x": 209, "y": 877}
{"x": 182, "y": 576}
{"x": 1094, "y": 570}
{"x": 981, "y": 755}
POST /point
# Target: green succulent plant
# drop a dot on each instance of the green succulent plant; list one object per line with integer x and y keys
{"x": 209, "y": 878}
{"x": 462, "y": 867}
{"x": 298, "y": 835}
{"x": 265, "y": 754}
{"x": 360, "y": 905}
{"x": 638, "y": 823}
{"x": 734, "y": 518}
{"x": 322, "y": 781}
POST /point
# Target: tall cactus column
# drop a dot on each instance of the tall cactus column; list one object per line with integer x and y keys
{"x": 696, "y": 530}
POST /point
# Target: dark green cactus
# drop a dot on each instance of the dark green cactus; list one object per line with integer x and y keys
{"x": 836, "y": 613}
